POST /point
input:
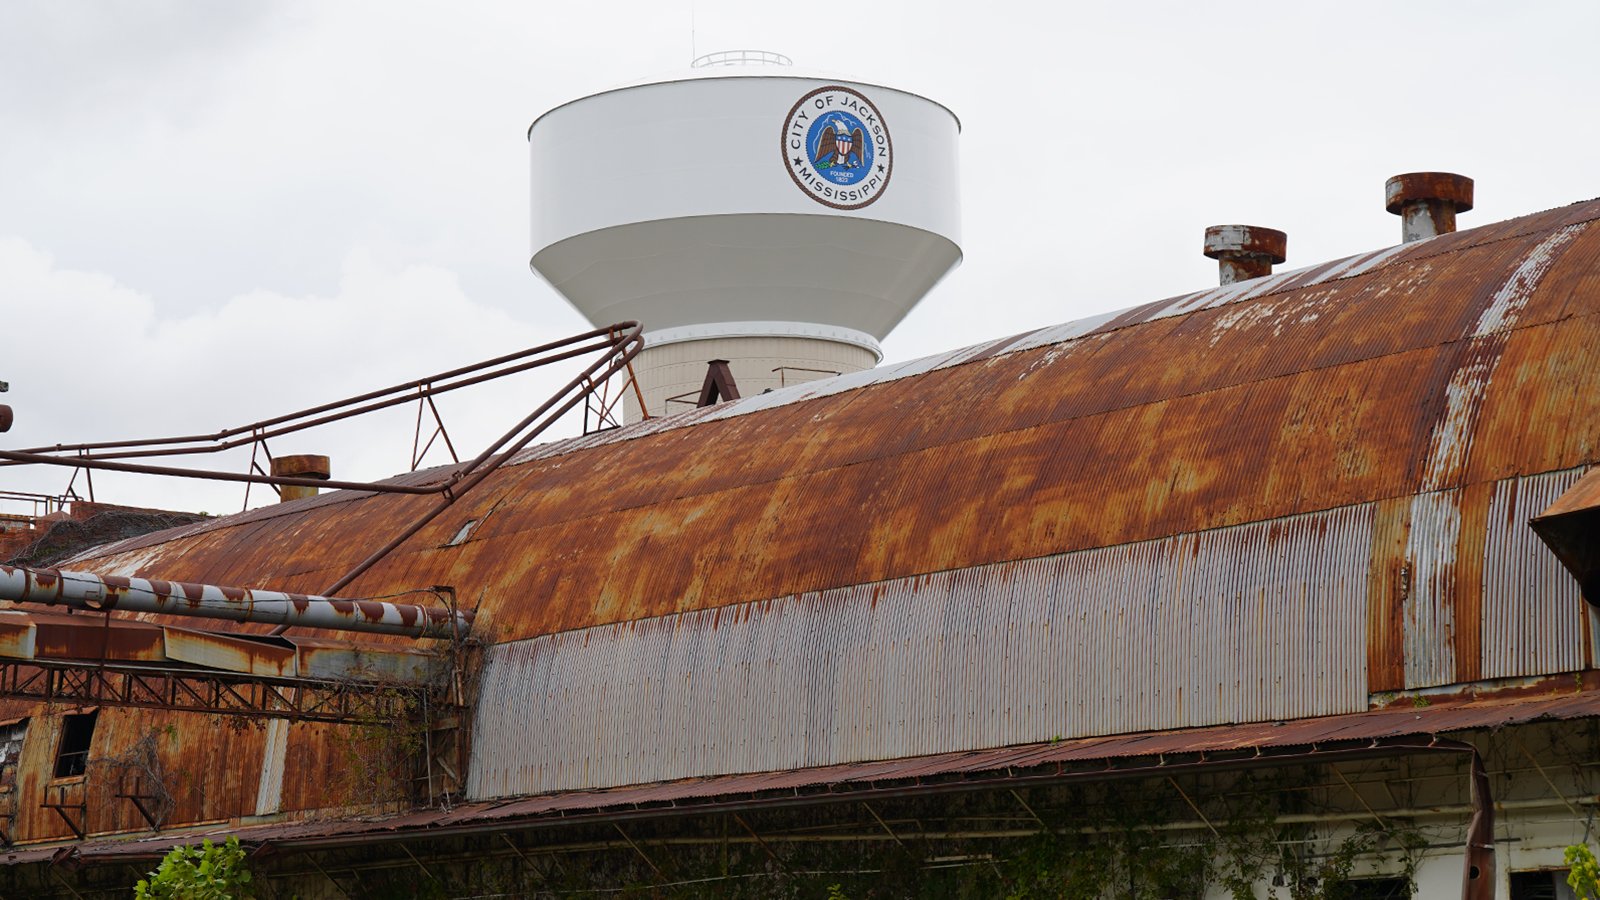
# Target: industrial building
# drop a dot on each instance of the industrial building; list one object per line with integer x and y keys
{"x": 1276, "y": 588}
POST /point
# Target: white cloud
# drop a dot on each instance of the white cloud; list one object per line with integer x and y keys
{"x": 92, "y": 359}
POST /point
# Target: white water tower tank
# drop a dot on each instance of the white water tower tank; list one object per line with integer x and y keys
{"x": 746, "y": 211}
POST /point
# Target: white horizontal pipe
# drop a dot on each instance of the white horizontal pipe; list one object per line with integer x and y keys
{"x": 86, "y": 590}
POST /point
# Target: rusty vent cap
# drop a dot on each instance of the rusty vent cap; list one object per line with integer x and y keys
{"x": 1236, "y": 241}
{"x": 306, "y": 465}
{"x": 1413, "y": 186}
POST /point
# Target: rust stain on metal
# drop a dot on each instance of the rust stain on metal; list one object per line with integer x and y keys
{"x": 92, "y": 637}
{"x": 233, "y": 654}
{"x": 16, "y": 635}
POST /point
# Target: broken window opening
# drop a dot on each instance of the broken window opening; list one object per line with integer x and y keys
{"x": 77, "y": 733}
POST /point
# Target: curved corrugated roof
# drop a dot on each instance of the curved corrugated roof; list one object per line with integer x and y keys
{"x": 1452, "y": 362}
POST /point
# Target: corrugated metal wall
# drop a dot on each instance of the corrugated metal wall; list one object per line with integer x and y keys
{"x": 1250, "y": 623}
{"x": 1534, "y": 618}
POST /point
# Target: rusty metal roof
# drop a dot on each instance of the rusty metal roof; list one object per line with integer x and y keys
{"x": 975, "y": 769}
{"x": 1342, "y": 384}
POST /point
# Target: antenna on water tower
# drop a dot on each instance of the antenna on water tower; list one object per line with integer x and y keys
{"x": 746, "y": 211}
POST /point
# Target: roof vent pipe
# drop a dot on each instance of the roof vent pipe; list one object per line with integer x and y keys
{"x": 306, "y": 465}
{"x": 1427, "y": 202}
{"x": 1243, "y": 252}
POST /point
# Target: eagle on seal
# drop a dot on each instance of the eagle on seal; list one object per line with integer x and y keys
{"x": 838, "y": 147}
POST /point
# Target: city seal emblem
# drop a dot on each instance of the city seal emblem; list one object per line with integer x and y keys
{"x": 836, "y": 147}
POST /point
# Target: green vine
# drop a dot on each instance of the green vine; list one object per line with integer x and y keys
{"x": 1584, "y": 873}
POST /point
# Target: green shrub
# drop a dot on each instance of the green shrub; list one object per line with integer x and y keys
{"x": 1584, "y": 874}
{"x": 207, "y": 872}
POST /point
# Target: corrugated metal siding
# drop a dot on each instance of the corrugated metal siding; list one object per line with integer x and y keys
{"x": 1428, "y": 585}
{"x": 1534, "y": 615}
{"x": 1253, "y": 623}
{"x": 1432, "y": 632}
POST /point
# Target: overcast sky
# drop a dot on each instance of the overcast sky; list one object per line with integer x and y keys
{"x": 212, "y": 212}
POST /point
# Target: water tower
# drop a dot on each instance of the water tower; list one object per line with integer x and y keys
{"x": 746, "y": 211}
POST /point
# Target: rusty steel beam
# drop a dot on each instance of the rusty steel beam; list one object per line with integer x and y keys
{"x": 628, "y": 339}
{"x": 86, "y": 590}
{"x": 19, "y": 457}
{"x": 201, "y": 691}
{"x": 613, "y": 336}
{"x": 623, "y": 341}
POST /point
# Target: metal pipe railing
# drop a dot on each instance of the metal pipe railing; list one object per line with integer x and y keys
{"x": 100, "y": 593}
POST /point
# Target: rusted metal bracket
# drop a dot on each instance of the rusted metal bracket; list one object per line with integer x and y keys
{"x": 767, "y": 848}
{"x": 719, "y": 384}
{"x": 138, "y": 803}
{"x": 417, "y": 455}
{"x": 62, "y": 807}
{"x": 636, "y": 848}
{"x": 138, "y": 798}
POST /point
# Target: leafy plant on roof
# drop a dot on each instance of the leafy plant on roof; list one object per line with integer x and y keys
{"x": 207, "y": 872}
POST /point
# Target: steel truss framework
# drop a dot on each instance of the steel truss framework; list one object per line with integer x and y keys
{"x": 225, "y": 693}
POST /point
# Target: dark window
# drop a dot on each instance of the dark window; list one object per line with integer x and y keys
{"x": 77, "y": 732}
{"x": 1548, "y": 884}
{"x": 1377, "y": 889}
